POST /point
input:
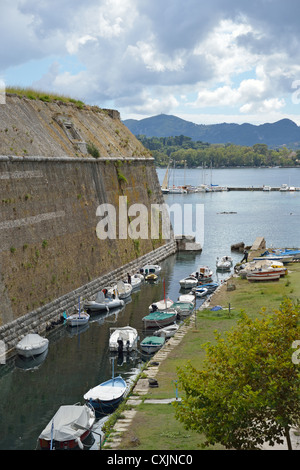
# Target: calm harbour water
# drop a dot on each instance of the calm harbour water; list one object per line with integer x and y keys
{"x": 76, "y": 362}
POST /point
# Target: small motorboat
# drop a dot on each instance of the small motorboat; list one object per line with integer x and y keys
{"x": 160, "y": 319}
{"x": 167, "y": 331}
{"x": 68, "y": 428}
{"x": 183, "y": 308}
{"x": 150, "y": 269}
{"x": 104, "y": 302}
{"x": 224, "y": 263}
{"x": 187, "y": 298}
{"x": 123, "y": 339}
{"x": 32, "y": 345}
{"x": 201, "y": 291}
{"x": 164, "y": 304}
{"x": 188, "y": 282}
{"x": 105, "y": 397}
{"x": 136, "y": 281}
{"x": 211, "y": 286}
{"x": 203, "y": 273}
{"x": 123, "y": 290}
{"x": 78, "y": 318}
{"x": 152, "y": 344}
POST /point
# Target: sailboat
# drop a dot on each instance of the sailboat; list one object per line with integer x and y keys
{"x": 78, "y": 318}
{"x": 171, "y": 189}
{"x": 164, "y": 186}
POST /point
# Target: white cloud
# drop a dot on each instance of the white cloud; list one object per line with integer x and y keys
{"x": 228, "y": 58}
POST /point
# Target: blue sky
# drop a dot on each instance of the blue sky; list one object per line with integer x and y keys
{"x": 206, "y": 62}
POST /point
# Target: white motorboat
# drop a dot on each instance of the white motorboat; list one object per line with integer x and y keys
{"x": 187, "y": 298}
{"x": 167, "y": 331}
{"x": 203, "y": 273}
{"x": 201, "y": 291}
{"x": 284, "y": 187}
{"x": 161, "y": 305}
{"x": 136, "y": 281}
{"x": 224, "y": 263}
{"x": 104, "y": 302}
{"x": 267, "y": 188}
{"x": 188, "y": 282}
{"x": 151, "y": 269}
{"x": 123, "y": 290}
{"x": 32, "y": 345}
{"x": 123, "y": 339}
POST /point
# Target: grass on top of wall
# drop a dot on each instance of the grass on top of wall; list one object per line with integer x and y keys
{"x": 45, "y": 96}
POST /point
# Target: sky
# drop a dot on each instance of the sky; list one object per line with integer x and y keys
{"x": 205, "y": 62}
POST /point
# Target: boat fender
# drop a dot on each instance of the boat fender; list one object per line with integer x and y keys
{"x": 80, "y": 445}
{"x": 152, "y": 382}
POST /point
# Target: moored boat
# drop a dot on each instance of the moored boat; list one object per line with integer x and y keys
{"x": 150, "y": 269}
{"x": 167, "y": 331}
{"x": 224, "y": 263}
{"x": 103, "y": 302}
{"x": 159, "y": 319}
{"x": 152, "y": 344}
{"x": 68, "y": 428}
{"x": 78, "y": 319}
{"x": 123, "y": 290}
{"x": 32, "y": 345}
{"x": 203, "y": 273}
{"x": 183, "y": 308}
{"x": 105, "y": 397}
{"x": 201, "y": 291}
{"x": 123, "y": 339}
{"x": 164, "y": 304}
{"x": 188, "y": 282}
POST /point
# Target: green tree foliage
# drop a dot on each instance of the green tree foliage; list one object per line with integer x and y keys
{"x": 191, "y": 153}
{"x": 248, "y": 390}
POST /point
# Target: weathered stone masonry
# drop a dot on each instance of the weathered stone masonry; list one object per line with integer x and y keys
{"x": 49, "y": 250}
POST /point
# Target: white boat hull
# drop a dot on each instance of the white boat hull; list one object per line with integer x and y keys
{"x": 32, "y": 345}
{"x": 125, "y": 338}
{"x": 263, "y": 276}
{"x": 78, "y": 320}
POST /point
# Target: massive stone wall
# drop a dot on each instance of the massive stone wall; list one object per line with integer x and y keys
{"x": 49, "y": 247}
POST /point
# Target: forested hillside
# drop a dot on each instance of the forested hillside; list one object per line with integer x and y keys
{"x": 191, "y": 153}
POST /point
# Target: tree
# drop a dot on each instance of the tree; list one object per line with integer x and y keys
{"x": 248, "y": 390}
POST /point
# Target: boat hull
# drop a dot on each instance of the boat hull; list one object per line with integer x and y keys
{"x": 77, "y": 320}
{"x": 159, "y": 319}
{"x": 123, "y": 339}
{"x": 68, "y": 428}
{"x": 32, "y": 349}
{"x": 106, "y": 397}
{"x": 263, "y": 277}
{"x": 152, "y": 344}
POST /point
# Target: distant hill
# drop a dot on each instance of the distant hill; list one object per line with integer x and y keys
{"x": 283, "y": 132}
